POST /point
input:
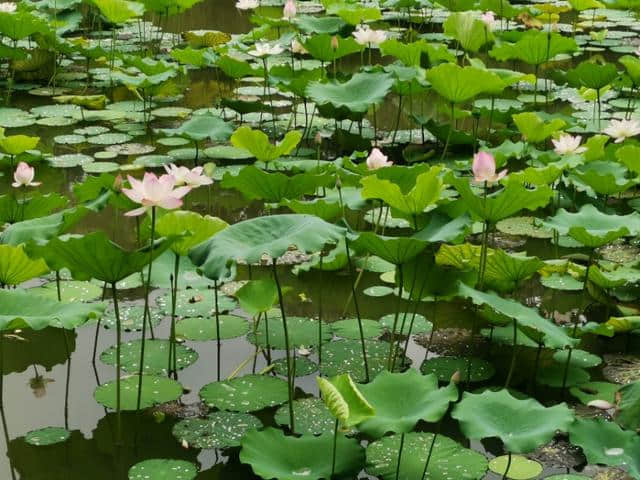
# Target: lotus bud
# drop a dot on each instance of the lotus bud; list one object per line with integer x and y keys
{"x": 184, "y": 443}
{"x": 334, "y": 43}
{"x": 455, "y": 378}
{"x": 318, "y": 138}
{"x": 289, "y": 11}
{"x": 117, "y": 183}
{"x": 338, "y": 183}
{"x": 600, "y": 404}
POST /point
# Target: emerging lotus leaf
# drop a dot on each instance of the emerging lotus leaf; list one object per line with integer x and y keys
{"x": 343, "y": 399}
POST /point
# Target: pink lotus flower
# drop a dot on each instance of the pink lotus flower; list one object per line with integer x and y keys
{"x": 377, "y": 159}
{"x": 23, "y": 176}
{"x": 193, "y": 178}
{"x": 484, "y": 168}
{"x": 154, "y": 192}
{"x": 289, "y": 11}
{"x": 489, "y": 19}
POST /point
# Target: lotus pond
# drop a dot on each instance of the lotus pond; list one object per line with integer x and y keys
{"x": 331, "y": 239}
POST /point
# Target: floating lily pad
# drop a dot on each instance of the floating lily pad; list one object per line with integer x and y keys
{"x": 378, "y": 291}
{"x": 304, "y": 366}
{"x": 420, "y": 323}
{"x": 217, "y": 430}
{"x": 449, "y": 460}
{"x": 109, "y": 138}
{"x": 56, "y": 121}
{"x": 47, "y": 436}
{"x": 561, "y": 282}
{"x": 445, "y": 367}
{"x": 195, "y": 303}
{"x": 163, "y": 469}
{"x": 227, "y": 152}
{"x": 349, "y": 328}
{"x": 156, "y": 356}
{"x": 91, "y": 130}
{"x": 127, "y": 149}
{"x": 271, "y": 454}
{"x": 70, "y": 291}
{"x": 302, "y": 331}
{"x": 173, "y": 141}
{"x": 70, "y": 160}
{"x": 70, "y": 139}
{"x": 520, "y": 468}
{"x": 245, "y": 394}
{"x": 526, "y": 226}
{"x": 101, "y": 167}
{"x": 153, "y": 160}
{"x": 155, "y": 390}
{"x": 345, "y": 356}
{"x": 204, "y": 328}
{"x": 311, "y": 414}
{"x": 183, "y": 153}
{"x": 567, "y": 476}
{"x": 171, "y": 112}
{"x": 130, "y": 317}
{"x": 579, "y": 358}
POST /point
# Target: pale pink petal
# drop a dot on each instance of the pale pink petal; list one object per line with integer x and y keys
{"x": 136, "y": 212}
{"x": 170, "y": 203}
{"x": 180, "y": 192}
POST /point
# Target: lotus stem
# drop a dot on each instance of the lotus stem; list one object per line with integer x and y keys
{"x": 413, "y": 317}
{"x": 95, "y": 340}
{"x": 395, "y": 319}
{"x": 426, "y": 464}
{"x": 118, "y": 342}
{"x": 5, "y": 431}
{"x": 146, "y": 308}
{"x": 286, "y": 345}
{"x": 506, "y": 471}
{"x": 320, "y": 289}
{"x": 400, "y": 455}
{"x": 357, "y": 308}
{"x": 335, "y": 447}
{"x": 395, "y": 132}
{"x": 68, "y": 380}
{"x": 217, "y": 314}
{"x": 172, "y": 368}
{"x": 2, "y": 374}
{"x": 446, "y": 143}
{"x": 513, "y": 353}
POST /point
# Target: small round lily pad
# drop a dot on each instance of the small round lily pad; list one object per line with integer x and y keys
{"x": 445, "y": 367}
{"x": 101, "y": 167}
{"x": 70, "y": 160}
{"x": 525, "y": 226}
{"x": 109, "y": 138}
{"x": 217, "y": 430}
{"x": 163, "y": 469}
{"x": 70, "y": 291}
{"x": 245, "y": 394}
{"x": 173, "y": 141}
{"x": 378, "y": 291}
{"x": 47, "y": 436}
{"x": 70, "y": 139}
{"x": 349, "y": 328}
{"x": 153, "y": 160}
{"x": 520, "y": 468}
{"x": 420, "y": 323}
{"x": 156, "y": 356}
{"x": 204, "y": 328}
{"x": 579, "y": 358}
{"x": 130, "y": 317}
{"x": 155, "y": 390}
{"x": 227, "y": 152}
{"x": 304, "y": 366}
{"x": 561, "y": 282}
{"x": 195, "y": 303}
{"x": 302, "y": 331}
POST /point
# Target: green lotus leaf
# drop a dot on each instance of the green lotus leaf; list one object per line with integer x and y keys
{"x": 94, "y": 256}
{"x": 197, "y": 228}
{"x": 245, "y": 394}
{"x": 499, "y": 414}
{"x": 92, "y": 102}
{"x": 445, "y": 367}
{"x": 163, "y": 469}
{"x": 21, "y": 309}
{"x": 235, "y": 68}
{"x": 440, "y": 228}
{"x": 449, "y": 460}
{"x": 38, "y": 205}
{"x": 587, "y": 392}
{"x": 593, "y": 228}
{"x": 17, "y": 144}
{"x": 349, "y": 328}
{"x": 410, "y": 53}
{"x": 357, "y": 94}
{"x": 257, "y": 143}
{"x": 70, "y": 291}
{"x": 465, "y": 27}
{"x": 16, "y": 267}
{"x": 534, "y": 47}
{"x": 195, "y": 303}
{"x": 460, "y": 84}
{"x": 156, "y": 356}
{"x": 623, "y": 324}
{"x": 119, "y": 11}
{"x": 354, "y": 14}
{"x": 47, "y": 436}
{"x": 396, "y": 250}
{"x": 198, "y": 58}
{"x": 520, "y": 468}
{"x": 303, "y": 331}
{"x": 344, "y": 400}
{"x": 256, "y": 184}
{"x": 420, "y": 323}
{"x": 421, "y": 400}
{"x": 271, "y": 454}
{"x": 615, "y": 278}
{"x": 629, "y": 156}
{"x": 164, "y": 268}
{"x": 606, "y": 443}
{"x": 200, "y": 127}
{"x": 204, "y": 328}
{"x": 534, "y": 129}
{"x": 632, "y": 66}
{"x": 537, "y": 327}
{"x": 604, "y": 178}
{"x": 198, "y": 38}
{"x": 273, "y": 235}
{"x": 579, "y": 358}
{"x": 504, "y": 203}
{"x": 257, "y": 296}
{"x": 581, "y": 5}
{"x": 539, "y": 175}
{"x": 217, "y": 430}
{"x": 314, "y": 24}
{"x": 590, "y": 74}
{"x": 328, "y": 211}
{"x": 22, "y": 24}
{"x": 311, "y": 414}
{"x": 628, "y": 415}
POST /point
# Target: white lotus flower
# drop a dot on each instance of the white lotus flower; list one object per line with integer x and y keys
{"x": 264, "y": 49}
{"x": 568, "y": 144}
{"x": 377, "y": 159}
{"x": 622, "y": 129}
{"x": 365, "y": 35}
{"x": 8, "y": 7}
{"x": 247, "y": 4}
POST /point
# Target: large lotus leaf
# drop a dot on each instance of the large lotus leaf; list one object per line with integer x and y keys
{"x": 320, "y": 47}
{"x": 257, "y": 296}
{"x": 504, "y": 203}
{"x": 94, "y": 256}
{"x": 593, "y": 228}
{"x": 478, "y": 369}
{"x": 465, "y": 27}
{"x": 311, "y": 414}
{"x": 303, "y": 331}
{"x": 350, "y": 328}
{"x": 16, "y": 267}
{"x": 313, "y": 24}
{"x": 22, "y": 24}
{"x": 20, "y": 309}
{"x": 401, "y": 400}
{"x": 328, "y": 211}
{"x": 536, "y": 325}
{"x": 256, "y": 184}
{"x": 606, "y": 443}
{"x": 440, "y": 228}
{"x": 205, "y": 328}
{"x": 592, "y": 75}
{"x": 449, "y": 460}
{"x": 257, "y": 143}
{"x": 272, "y": 235}
{"x": 196, "y": 228}
{"x": 357, "y": 94}
{"x": 343, "y": 399}
{"x": 217, "y": 430}
{"x": 43, "y": 228}
{"x": 426, "y": 192}
{"x": 460, "y": 84}
{"x": 534, "y": 129}
{"x": 119, "y": 11}
{"x": 615, "y": 278}
{"x": 628, "y": 415}
{"x": 534, "y": 47}
{"x": 587, "y": 392}
{"x": 155, "y": 390}
{"x": 424, "y": 277}
{"x": 408, "y": 53}
{"x": 396, "y": 250}
{"x": 200, "y": 127}
{"x": 195, "y": 303}
{"x": 522, "y": 425}
{"x": 156, "y": 356}
{"x": 632, "y": 66}
{"x": 235, "y": 68}
{"x": 38, "y": 205}
{"x": 17, "y": 144}
{"x": 271, "y": 454}
{"x": 245, "y": 394}
{"x": 604, "y": 178}
{"x": 354, "y": 13}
